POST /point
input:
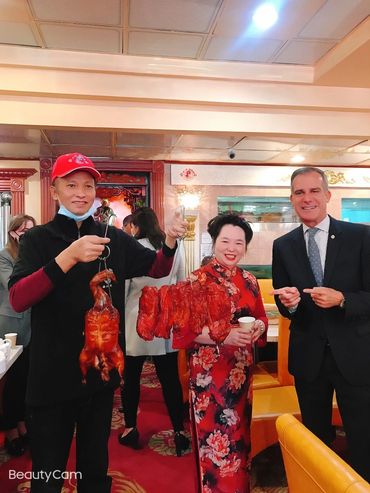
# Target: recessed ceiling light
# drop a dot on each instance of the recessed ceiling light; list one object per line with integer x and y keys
{"x": 298, "y": 158}
{"x": 265, "y": 16}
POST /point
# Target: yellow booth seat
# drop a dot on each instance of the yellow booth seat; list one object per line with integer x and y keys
{"x": 266, "y": 288}
{"x": 275, "y": 373}
{"x": 274, "y": 394}
{"x": 311, "y": 466}
{"x": 268, "y": 405}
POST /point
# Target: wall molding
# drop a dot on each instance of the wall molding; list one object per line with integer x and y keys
{"x": 13, "y": 180}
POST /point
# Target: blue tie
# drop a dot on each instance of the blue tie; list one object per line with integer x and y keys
{"x": 314, "y": 256}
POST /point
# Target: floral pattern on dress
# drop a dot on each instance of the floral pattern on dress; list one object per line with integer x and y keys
{"x": 221, "y": 393}
{"x": 221, "y": 410}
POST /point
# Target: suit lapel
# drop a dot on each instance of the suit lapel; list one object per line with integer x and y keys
{"x": 334, "y": 244}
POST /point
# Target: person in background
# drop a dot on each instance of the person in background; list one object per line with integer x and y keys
{"x": 321, "y": 276}
{"x": 221, "y": 375}
{"x": 104, "y": 213}
{"x": 126, "y": 224}
{"x": 55, "y": 265}
{"x": 14, "y": 392}
{"x": 146, "y": 229}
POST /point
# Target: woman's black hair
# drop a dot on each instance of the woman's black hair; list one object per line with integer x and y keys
{"x": 145, "y": 219}
{"x": 215, "y": 225}
{"x": 126, "y": 220}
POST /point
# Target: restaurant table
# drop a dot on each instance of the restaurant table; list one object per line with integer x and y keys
{"x": 13, "y": 356}
{"x": 273, "y": 333}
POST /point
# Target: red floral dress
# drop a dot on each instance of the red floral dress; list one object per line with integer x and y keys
{"x": 221, "y": 395}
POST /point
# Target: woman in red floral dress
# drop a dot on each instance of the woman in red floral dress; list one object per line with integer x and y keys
{"x": 221, "y": 375}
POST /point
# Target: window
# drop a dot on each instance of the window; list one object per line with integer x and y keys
{"x": 356, "y": 210}
{"x": 259, "y": 209}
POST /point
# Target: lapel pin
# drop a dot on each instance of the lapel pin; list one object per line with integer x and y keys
{"x": 332, "y": 237}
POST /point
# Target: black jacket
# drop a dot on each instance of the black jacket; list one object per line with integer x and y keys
{"x": 57, "y": 321}
{"x": 347, "y": 269}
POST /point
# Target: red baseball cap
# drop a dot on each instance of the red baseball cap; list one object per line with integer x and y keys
{"x": 69, "y": 163}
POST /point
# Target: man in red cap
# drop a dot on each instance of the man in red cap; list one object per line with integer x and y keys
{"x": 55, "y": 265}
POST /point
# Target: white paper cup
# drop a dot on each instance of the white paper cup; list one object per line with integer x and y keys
{"x": 12, "y": 337}
{"x": 2, "y": 362}
{"x": 246, "y": 322}
{"x": 5, "y": 347}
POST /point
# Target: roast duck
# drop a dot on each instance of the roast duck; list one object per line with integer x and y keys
{"x": 186, "y": 308}
{"x": 101, "y": 350}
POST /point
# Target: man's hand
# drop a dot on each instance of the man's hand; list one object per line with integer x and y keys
{"x": 85, "y": 249}
{"x": 325, "y": 297}
{"x": 289, "y": 296}
{"x": 176, "y": 229}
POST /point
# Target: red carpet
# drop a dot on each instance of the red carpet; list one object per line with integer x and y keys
{"x": 152, "y": 469}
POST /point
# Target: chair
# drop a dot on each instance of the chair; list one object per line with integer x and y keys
{"x": 266, "y": 289}
{"x": 270, "y": 401}
{"x": 311, "y": 466}
{"x": 271, "y": 373}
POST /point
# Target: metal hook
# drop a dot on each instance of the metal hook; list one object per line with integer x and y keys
{"x": 102, "y": 257}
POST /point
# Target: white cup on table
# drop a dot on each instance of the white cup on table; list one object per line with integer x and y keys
{"x": 2, "y": 362}
{"x": 5, "y": 346}
{"x": 246, "y": 323}
{"x": 12, "y": 337}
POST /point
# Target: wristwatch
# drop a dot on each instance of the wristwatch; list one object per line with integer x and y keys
{"x": 342, "y": 303}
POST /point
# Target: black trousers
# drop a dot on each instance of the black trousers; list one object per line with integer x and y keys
{"x": 168, "y": 375}
{"x": 51, "y": 430}
{"x": 14, "y": 392}
{"x": 315, "y": 401}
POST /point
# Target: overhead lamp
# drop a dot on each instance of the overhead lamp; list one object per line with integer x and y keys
{"x": 297, "y": 159}
{"x": 265, "y": 16}
{"x": 189, "y": 197}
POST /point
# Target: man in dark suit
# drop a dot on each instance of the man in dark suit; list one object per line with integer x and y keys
{"x": 321, "y": 276}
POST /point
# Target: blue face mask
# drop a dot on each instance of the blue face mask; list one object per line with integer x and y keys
{"x": 65, "y": 212}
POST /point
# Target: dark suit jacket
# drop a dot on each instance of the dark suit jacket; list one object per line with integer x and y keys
{"x": 347, "y": 269}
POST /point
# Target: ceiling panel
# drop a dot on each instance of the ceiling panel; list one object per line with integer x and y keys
{"x": 305, "y": 147}
{"x": 336, "y": 18}
{"x": 363, "y": 147}
{"x": 19, "y": 151}
{"x": 193, "y": 154}
{"x": 254, "y": 156}
{"x": 246, "y": 50}
{"x": 260, "y": 144}
{"x": 78, "y": 137}
{"x": 17, "y": 33}
{"x": 142, "y": 153}
{"x": 207, "y": 141}
{"x": 345, "y": 159}
{"x": 303, "y": 52}
{"x": 88, "y": 150}
{"x": 236, "y": 19}
{"x": 173, "y": 15}
{"x": 330, "y": 142}
{"x": 15, "y": 135}
{"x": 146, "y": 140}
{"x": 78, "y": 11}
{"x": 163, "y": 44}
{"x": 16, "y": 10}
{"x": 63, "y": 37}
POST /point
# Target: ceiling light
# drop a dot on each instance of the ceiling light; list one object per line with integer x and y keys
{"x": 265, "y": 16}
{"x": 298, "y": 158}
